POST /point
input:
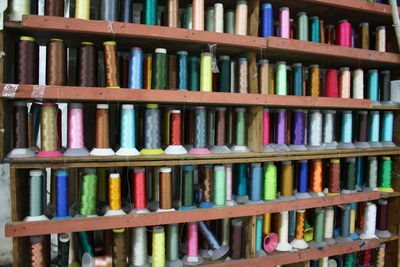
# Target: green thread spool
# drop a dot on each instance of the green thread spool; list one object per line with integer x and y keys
{"x": 219, "y": 185}
{"x": 63, "y": 250}
{"x": 351, "y": 176}
{"x": 159, "y": 77}
{"x": 188, "y": 185}
{"x": 206, "y": 72}
{"x": 85, "y": 244}
{"x": 189, "y": 15}
{"x": 385, "y": 175}
{"x": 172, "y": 242}
{"x": 225, "y": 231}
{"x": 150, "y": 12}
{"x": 35, "y": 193}
{"x": 349, "y": 259}
{"x": 281, "y": 78}
{"x": 240, "y": 126}
{"x": 225, "y": 74}
{"x": 194, "y": 74}
{"x": 302, "y": 26}
{"x": 318, "y": 227}
{"x": 210, "y": 14}
{"x": 211, "y": 126}
{"x": 270, "y": 181}
{"x": 230, "y": 21}
{"x": 87, "y": 203}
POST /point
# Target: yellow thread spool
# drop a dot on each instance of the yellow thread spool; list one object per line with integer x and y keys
{"x": 158, "y": 247}
{"x": 206, "y": 72}
{"x": 271, "y": 87}
{"x": 267, "y": 223}
{"x": 82, "y": 9}
{"x": 114, "y": 191}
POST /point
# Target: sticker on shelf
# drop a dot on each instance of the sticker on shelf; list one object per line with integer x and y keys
{"x": 38, "y": 91}
{"x": 213, "y": 51}
{"x": 9, "y": 90}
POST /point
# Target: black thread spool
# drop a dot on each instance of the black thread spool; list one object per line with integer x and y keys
{"x": 87, "y": 65}
{"x": 126, "y": 10}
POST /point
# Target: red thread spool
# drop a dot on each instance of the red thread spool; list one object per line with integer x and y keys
{"x": 176, "y": 122}
{"x": 139, "y": 188}
{"x": 331, "y": 84}
{"x": 343, "y": 33}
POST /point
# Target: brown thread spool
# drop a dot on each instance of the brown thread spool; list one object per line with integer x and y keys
{"x": 54, "y": 8}
{"x": 37, "y": 251}
{"x": 30, "y": 130}
{"x": 221, "y": 114}
{"x": 87, "y": 65}
{"x": 48, "y": 122}
{"x": 172, "y": 72}
{"x": 362, "y": 126}
{"x": 125, "y": 73}
{"x": 330, "y": 34}
{"x": 21, "y": 125}
{"x": 300, "y": 219}
{"x": 229, "y": 126}
{"x": 364, "y": 35}
{"x": 119, "y": 248}
{"x": 263, "y": 74}
{"x": 173, "y": 13}
{"x": 315, "y": 81}
{"x": 165, "y": 188}
{"x": 322, "y": 31}
{"x": 236, "y": 239}
{"x": 110, "y": 59}
{"x": 334, "y": 177}
{"x": 287, "y": 179}
{"x": 56, "y": 63}
{"x": 208, "y": 183}
{"x": 147, "y": 66}
{"x": 189, "y": 136}
{"x": 102, "y": 132}
{"x": 28, "y": 61}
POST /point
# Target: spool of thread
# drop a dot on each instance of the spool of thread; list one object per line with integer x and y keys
{"x": 194, "y": 74}
{"x": 385, "y": 87}
{"x": 240, "y": 143}
{"x": 127, "y": 135}
{"x": 102, "y": 140}
{"x": 139, "y": 191}
{"x": 302, "y": 180}
{"x": 319, "y": 220}
{"x": 358, "y": 84}
{"x": 349, "y": 183}
{"x": 211, "y": 127}
{"x": 387, "y": 129}
{"x": 159, "y": 77}
{"x": 208, "y": 187}
{"x": 49, "y": 136}
{"x": 220, "y": 144}
{"x": 364, "y": 257}
{"x": 114, "y": 194}
{"x": 353, "y": 216}
{"x": 126, "y": 10}
{"x": 110, "y": 59}
{"x": 345, "y": 82}
{"x": 344, "y": 235}
{"x": 192, "y": 256}
{"x": 334, "y": 177}
{"x": 62, "y": 204}
{"x": 281, "y": 78}
{"x": 188, "y": 188}
{"x": 88, "y": 192}
{"x": 328, "y": 225}
{"x": 385, "y": 175}
{"x": 297, "y": 79}
{"x": 316, "y": 178}
{"x": 298, "y": 242}
{"x": 364, "y": 35}
{"x": 374, "y": 128}
{"x": 198, "y": 15}
{"x": 271, "y": 87}
{"x": 229, "y": 22}
{"x": 200, "y": 131}
{"x": 360, "y": 163}
{"x": 302, "y": 26}
{"x": 229, "y": 185}
{"x": 346, "y": 131}
{"x": 373, "y": 85}
{"x": 182, "y": 83}
{"x": 217, "y": 251}
{"x": 267, "y": 147}
{"x": 152, "y": 137}
{"x": 315, "y": 80}
{"x": 172, "y": 244}
{"x": 108, "y": 10}
{"x": 82, "y": 9}
{"x": 331, "y": 85}
{"x": 243, "y": 75}
{"x": 188, "y": 16}
{"x": 87, "y": 65}
{"x": 165, "y": 190}
{"x": 219, "y": 17}
{"x": 210, "y": 19}
{"x": 315, "y": 30}
{"x": 241, "y": 183}
{"x": 315, "y": 131}
{"x": 158, "y": 248}
{"x": 219, "y": 191}
{"x": 56, "y": 63}
{"x": 372, "y": 173}
{"x": 135, "y": 80}
{"x": 150, "y": 12}
{"x": 343, "y": 33}
{"x": 259, "y": 237}
{"x": 255, "y": 185}
{"x": 154, "y": 204}
{"x": 173, "y": 13}
{"x": 28, "y": 61}
{"x": 236, "y": 240}
{"x": 175, "y": 146}
{"x": 225, "y": 74}
{"x": 283, "y": 244}
{"x": 206, "y": 72}
{"x": 287, "y": 181}
{"x": 330, "y": 34}
{"x": 54, "y": 8}
{"x": 329, "y": 129}
{"x": 267, "y": 20}
{"x": 17, "y": 9}
{"x": 298, "y": 132}
{"x": 284, "y": 23}
{"x": 380, "y": 36}
{"x": 147, "y": 68}
{"x": 63, "y": 249}
{"x": 139, "y": 246}
{"x": 280, "y": 131}
{"x": 322, "y": 31}
{"x": 119, "y": 247}
{"x": 270, "y": 182}
{"x": 380, "y": 258}
{"x": 362, "y": 119}
{"x": 381, "y": 224}
{"x": 369, "y": 222}
{"x": 172, "y": 74}
{"x": 241, "y": 18}
{"x": 35, "y": 197}
{"x": 37, "y": 251}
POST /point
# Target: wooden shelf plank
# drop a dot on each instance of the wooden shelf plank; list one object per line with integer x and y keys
{"x": 170, "y": 160}
{"x": 390, "y": 195}
{"x": 17, "y": 229}
{"x": 282, "y": 258}
{"x": 394, "y": 237}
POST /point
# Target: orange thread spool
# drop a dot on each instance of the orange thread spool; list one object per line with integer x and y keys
{"x": 165, "y": 188}
{"x": 300, "y": 219}
{"x": 114, "y": 191}
{"x": 316, "y": 175}
{"x": 176, "y": 126}
{"x": 110, "y": 60}
{"x": 147, "y": 65}
{"x": 102, "y": 134}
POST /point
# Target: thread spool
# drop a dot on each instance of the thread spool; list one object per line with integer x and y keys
{"x": 315, "y": 131}
{"x": 281, "y": 78}
{"x": 187, "y": 188}
{"x": 331, "y": 85}
{"x": 330, "y": 34}
{"x": 229, "y": 185}
{"x": 225, "y": 73}
{"x": 54, "y": 8}
{"x": 150, "y": 12}
{"x": 165, "y": 190}
{"x": 217, "y": 251}
{"x": 267, "y": 20}
{"x": 158, "y": 247}
{"x": 110, "y": 59}
{"x": 270, "y": 182}
{"x": 364, "y": 35}
{"x": 302, "y": 26}
{"x": 362, "y": 118}
{"x": 315, "y": 80}
{"x": 267, "y": 146}
{"x": 298, "y": 131}
{"x": 380, "y": 39}
{"x": 350, "y": 179}
{"x": 241, "y": 18}
{"x": 284, "y": 23}
{"x": 82, "y": 9}
{"x": 56, "y": 63}
{"x": 139, "y": 191}
{"x": 353, "y": 214}
{"x": 28, "y": 61}
{"x": 210, "y": 19}
{"x": 236, "y": 240}
{"x": 360, "y": 162}
{"x": 102, "y": 141}
{"x": 316, "y": 178}
{"x": 194, "y": 74}
{"x": 229, "y": 23}
{"x": 206, "y": 72}
{"x": 369, "y": 222}
{"x": 239, "y": 145}
{"x": 315, "y": 29}
{"x": 344, "y": 233}
{"x": 241, "y": 183}
{"x": 135, "y": 80}
{"x": 200, "y": 131}
{"x": 159, "y": 77}
{"x": 173, "y": 13}
{"x": 114, "y": 194}
{"x": 387, "y": 129}
{"x": 255, "y": 185}
{"x": 219, "y": 184}
{"x": 380, "y": 261}
{"x": 272, "y": 80}
{"x": 211, "y": 127}
{"x": 49, "y": 136}
{"x": 373, "y": 86}
{"x": 63, "y": 249}
{"x": 108, "y": 10}
{"x": 385, "y": 85}
{"x": 334, "y": 178}
{"x": 287, "y": 181}
{"x": 347, "y": 131}
{"x": 302, "y": 180}
{"x": 88, "y": 193}
{"x": 280, "y": 131}
{"x": 374, "y": 129}
{"x": 220, "y": 144}
{"x": 139, "y": 247}
{"x": 358, "y": 84}
{"x": 328, "y": 225}
{"x": 243, "y": 82}
{"x": 182, "y": 70}
{"x": 283, "y": 244}
{"x": 385, "y": 175}
{"x": 192, "y": 256}
{"x": 318, "y": 240}
{"x": 35, "y": 197}
{"x": 329, "y": 130}
{"x": 189, "y": 17}
{"x": 152, "y": 137}
{"x": 154, "y": 204}
{"x": 322, "y": 31}
{"x": 76, "y": 145}
{"x": 172, "y": 246}
{"x": 364, "y": 257}
{"x": 62, "y": 203}
{"x": 17, "y": 9}
{"x": 21, "y": 147}
{"x": 343, "y": 33}
{"x": 297, "y": 79}
{"x": 147, "y": 70}
{"x": 175, "y": 146}
{"x": 219, "y": 17}
{"x": 344, "y": 82}
{"x": 127, "y": 135}
{"x": 372, "y": 174}
{"x": 37, "y": 251}
{"x": 198, "y": 15}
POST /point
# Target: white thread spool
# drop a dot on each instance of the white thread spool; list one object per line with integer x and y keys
{"x": 358, "y": 84}
{"x": 323, "y": 262}
{"x": 315, "y": 131}
{"x": 283, "y": 244}
{"x": 369, "y": 222}
{"x": 329, "y": 129}
{"x": 328, "y": 225}
{"x": 219, "y": 17}
{"x": 372, "y": 182}
{"x": 18, "y": 8}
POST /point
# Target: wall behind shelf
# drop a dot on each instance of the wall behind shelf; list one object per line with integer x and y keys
{"x": 5, "y": 214}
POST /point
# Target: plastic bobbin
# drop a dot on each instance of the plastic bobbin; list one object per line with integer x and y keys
{"x": 383, "y": 234}
{"x": 281, "y": 147}
{"x": 88, "y": 260}
{"x": 269, "y": 148}
{"x": 362, "y": 145}
{"x": 284, "y": 245}
{"x": 173, "y": 263}
{"x": 220, "y": 149}
{"x": 388, "y": 144}
{"x": 299, "y": 244}
{"x": 199, "y": 151}
{"x": 297, "y": 147}
{"x": 192, "y": 260}
{"x": 314, "y": 244}
{"x": 316, "y": 194}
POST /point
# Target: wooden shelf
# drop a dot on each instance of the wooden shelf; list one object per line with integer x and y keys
{"x": 394, "y": 237}
{"x": 75, "y": 93}
{"x": 18, "y": 229}
{"x": 390, "y": 195}
{"x": 281, "y": 258}
{"x": 170, "y": 160}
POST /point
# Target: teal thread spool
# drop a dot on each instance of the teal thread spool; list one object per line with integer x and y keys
{"x": 225, "y": 74}
{"x": 297, "y": 79}
{"x": 374, "y": 128}
{"x": 344, "y": 235}
{"x": 281, "y": 78}
{"x": 387, "y": 129}
{"x": 302, "y": 26}
{"x": 85, "y": 244}
{"x": 150, "y": 12}
{"x": 230, "y": 21}
{"x": 194, "y": 74}
{"x": 259, "y": 237}
{"x": 189, "y": 14}
{"x": 241, "y": 182}
{"x": 315, "y": 35}
{"x": 347, "y": 130}
{"x": 373, "y": 85}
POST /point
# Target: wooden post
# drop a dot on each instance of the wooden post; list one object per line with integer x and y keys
{"x": 250, "y": 236}
{"x": 254, "y": 126}
{"x": 254, "y": 10}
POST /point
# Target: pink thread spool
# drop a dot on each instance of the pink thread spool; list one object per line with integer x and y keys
{"x": 284, "y": 22}
{"x": 192, "y": 254}
{"x": 331, "y": 84}
{"x": 76, "y": 137}
{"x": 267, "y": 147}
{"x": 343, "y": 33}
{"x": 198, "y": 15}
{"x": 270, "y": 242}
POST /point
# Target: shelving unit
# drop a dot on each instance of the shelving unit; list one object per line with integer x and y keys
{"x": 127, "y": 34}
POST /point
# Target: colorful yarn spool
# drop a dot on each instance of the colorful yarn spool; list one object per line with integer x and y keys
{"x": 343, "y": 33}
{"x": 267, "y": 20}
{"x": 284, "y": 23}
{"x": 302, "y": 26}
{"x": 315, "y": 30}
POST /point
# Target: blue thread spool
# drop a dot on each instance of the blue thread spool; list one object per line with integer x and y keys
{"x": 217, "y": 251}
{"x": 62, "y": 204}
{"x": 259, "y": 236}
{"x": 344, "y": 232}
{"x": 315, "y": 30}
{"x": 194, "y": 74}
{"x": 297, "y": 79}
{"x": 292, "y": 224}
{"x": 126, "y": 10}
{"x": 135, "y": 80}
{"x": 255, "y": 184}
{"x": 387, "y": 129}
{"x": 360, "y": 172}
{"x": 267, "y": 20}
{"x": 302, "y": 184}
{"x": 127, "y": 134}
{"x": 182, "y": 70}
{"x": 347, "y": 131}
{"x": 373, "y": 86}
{"x": 241, "y": 182}
{"x": 374, "y": 128}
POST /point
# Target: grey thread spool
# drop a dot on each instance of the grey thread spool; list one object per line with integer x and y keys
{"x": 152, "y": 137}
{"x": 108, "y": 10}
{"x": 218, "y": 251}
{"x": 200, "y": 127}
{"x": 139, "y": 247}
{"x": 344, "y": 224}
